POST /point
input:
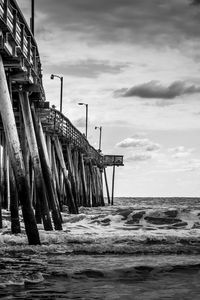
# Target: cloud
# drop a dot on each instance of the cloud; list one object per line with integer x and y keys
{"x": 89, "y": 68}
{"x": 138, "y": 157}
{"x": 153, "y": 21}
{"x": 195, "y": 2}
{"x": 154, "y": 89}
{"x": 180, "y": 152}
{"x": 144, "y": 149}
{"x": 79, "y": 122}
{"x": 133, "y": 142}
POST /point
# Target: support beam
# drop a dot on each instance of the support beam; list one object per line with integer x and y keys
{"x": 113, "y": 185}
{"x": 14, "y": 206}
{"x": 34, "y": 152}
{"x": 84, "y": 183}
{"x": 46, "y": 168}
{"x": 16, "y": 159}
{"x": 71, "y": 202}
{"x": 107, "y": 188}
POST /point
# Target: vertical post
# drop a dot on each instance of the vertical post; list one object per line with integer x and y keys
{"x": 1, "y": 223}
{"x": 34, "y": 152}
{"x": 83, "y": 177}
{"x": 5, "y": 194}
{"x": 107, "y": 189}
{"x": 56, "y": 179}
{"x": 100, "y": 171}
{"x": 46, "y": 169}
{"x": 61, "y": 93}
{"x": 8, "y": 180}
{"x": 14, "y": 206}
{"x": 14, "y": 22}
{"x": 86, "y": 125}
{"x": 113, "y": 185}
{"x": 76, "y": 172}
{"x": 93, "y": 185}
{"x": 72, "y": 204}
{"x": 16, "y": 159}
{"x": 32, "y": 21}
{"x": 5, "y": 10}
{"x": 29, "y": 48}
{"x": 100, "y": 134}
{"x": 71, "y": 170}
{"x": 22, "y": 37}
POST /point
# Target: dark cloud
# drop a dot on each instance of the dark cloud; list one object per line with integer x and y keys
{"x": 152, "y": 21}
{"x": 86, "y": 68}
{"x": 195, "y": 2}
{"x": 155, "y": 89}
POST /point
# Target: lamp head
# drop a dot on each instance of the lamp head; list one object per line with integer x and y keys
{"x": 80, "y": 103}
{"x": 52, "y": 76}
{"x": 95, "y": 127}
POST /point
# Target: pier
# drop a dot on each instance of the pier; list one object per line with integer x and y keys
{"x": 46, "y": 163}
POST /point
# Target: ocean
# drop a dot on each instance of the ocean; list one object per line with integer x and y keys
{"x": 140, "y": 248}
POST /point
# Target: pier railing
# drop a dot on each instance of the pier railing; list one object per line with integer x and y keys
{"x": 55, "y": 122}
{"x": 18, "y": 43}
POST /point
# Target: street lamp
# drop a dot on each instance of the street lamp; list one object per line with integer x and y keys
{"x": 86, "y": 119}
{"x": 32, "y": 20}
{"x": 61, "y": 88}
{"x": 100, "y": 133}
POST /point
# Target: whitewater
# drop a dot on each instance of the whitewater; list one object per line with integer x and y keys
{"x": 140, "y": 248}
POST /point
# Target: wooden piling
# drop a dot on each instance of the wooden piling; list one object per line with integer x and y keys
{"x": 46, "y": 168}
{"x": 71, "y": 173}
{"x": 1, "y": 223}
{"x": 41, "y": 199}
{"x": 57, "y": 178}
{"x": 100, "y": 179}
{"x": 14, "y": 206}
{"x": 88, "y": 181}
{"x": 76, "y": 174}
{"x": 107, "y": 188}
{"x": 93, "y": 185}
{"x": 113, "y": 185}
{"x": 71, "y": 202}
{"x": 83, "y": 178}
{"x": 16, "y": 159}
{"x": 5, "y": 192}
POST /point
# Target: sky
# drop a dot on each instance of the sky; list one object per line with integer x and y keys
{"x": 136, "y": 63}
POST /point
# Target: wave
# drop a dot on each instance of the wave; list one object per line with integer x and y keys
{"x": 141, "y": 272}
{"x": 18, "y": 279}
{"x": 117, "y": 230}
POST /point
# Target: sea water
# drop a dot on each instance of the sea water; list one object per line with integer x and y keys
{"x": 141, "y": 248}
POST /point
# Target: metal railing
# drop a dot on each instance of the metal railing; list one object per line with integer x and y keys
{"x": 55, "y": 122}
{"x": 14, "y": 23}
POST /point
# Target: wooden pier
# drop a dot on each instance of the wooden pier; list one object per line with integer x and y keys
{"x": 45, "y": 162}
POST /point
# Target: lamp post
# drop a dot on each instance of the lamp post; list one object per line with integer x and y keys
{"x": 32, "y": 21}
{"x": 86, "y": 117}
{"x": 100, "y": 134}
{"x": 61, "y": 88}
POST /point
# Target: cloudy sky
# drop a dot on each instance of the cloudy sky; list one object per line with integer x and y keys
{"x": 137, "y": 64}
